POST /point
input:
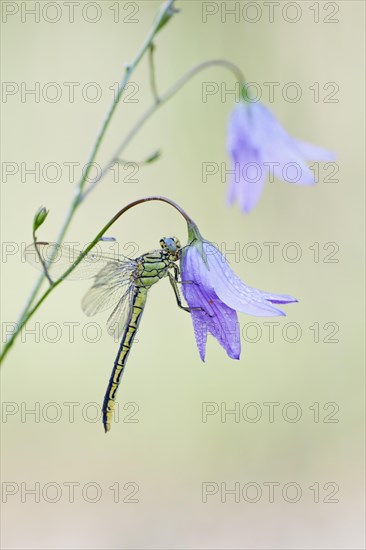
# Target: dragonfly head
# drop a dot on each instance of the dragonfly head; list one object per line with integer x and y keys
{"x": 172, "y": 246}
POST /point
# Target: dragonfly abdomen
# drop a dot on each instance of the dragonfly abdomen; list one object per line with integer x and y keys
{"x": 149, "y": 270}
{"x": 137, "y": 309}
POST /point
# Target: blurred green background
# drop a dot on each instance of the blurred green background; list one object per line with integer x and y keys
{"x": 169, "y": 453}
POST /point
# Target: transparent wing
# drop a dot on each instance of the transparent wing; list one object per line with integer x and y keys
{"x": 121, "y": 315}
{"x": 113, "y": 279}
{"x": 111, "y": 284}
{"x": 59, "y": 259}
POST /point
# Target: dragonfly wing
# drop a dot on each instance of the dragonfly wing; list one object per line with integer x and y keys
{"x": 122, "y": 313}
{"x": 111, "y": 284}
{"x": 59, "y": 259}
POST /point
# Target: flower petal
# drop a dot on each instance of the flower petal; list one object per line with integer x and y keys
{"x": 216, "y": 318}
{"x": 233, "y": 188}
{"x": 289, "y": 166}
{"x": 223, "y": 324}
{"x": 312, "y": 152}
{"x": 200, "y": 332}
{"x": 228, "y": 287}
{"x": 249, "y": 176}
{"x": 255, "y": 133}
{"x": 279, "y": 298}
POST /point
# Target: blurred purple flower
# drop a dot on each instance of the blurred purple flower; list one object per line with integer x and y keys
{"x": 258, "y": 144}
{"x": 215, "y": 288}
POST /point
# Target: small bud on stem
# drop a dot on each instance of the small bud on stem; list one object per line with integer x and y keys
{"x": 39, "y": 218}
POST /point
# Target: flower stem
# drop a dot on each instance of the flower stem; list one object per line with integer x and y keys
{"x": 155, "y": 106}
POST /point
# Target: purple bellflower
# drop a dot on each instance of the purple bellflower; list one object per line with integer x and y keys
{"x": 258, "y": 145}
{"x": 212, "y": 287}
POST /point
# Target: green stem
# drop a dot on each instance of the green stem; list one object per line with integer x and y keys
{"x": 154, "y": 88}
{"x": 28, "y": 314}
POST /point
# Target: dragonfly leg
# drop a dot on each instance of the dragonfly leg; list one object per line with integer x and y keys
{"x": 174, "y": 284}
{"x": 177, "y": 273}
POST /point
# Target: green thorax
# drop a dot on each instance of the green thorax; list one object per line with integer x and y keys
{"x": 151, "y": 267}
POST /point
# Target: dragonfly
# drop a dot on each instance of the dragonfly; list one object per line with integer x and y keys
{"x": 119, "y": 282}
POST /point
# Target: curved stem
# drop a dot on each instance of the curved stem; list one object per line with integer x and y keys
{"x": 28, "y": 314}
{"x": 239, "y": 75}
{"x": 44, "y": 266}
{"x": 115, "y": 218}
{"x": 155, "y": 106}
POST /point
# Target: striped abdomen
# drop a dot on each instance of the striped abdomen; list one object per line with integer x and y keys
{"x": 139, "y": 301}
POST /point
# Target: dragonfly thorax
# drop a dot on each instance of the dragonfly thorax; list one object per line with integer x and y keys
{"x": 172, "y": 246}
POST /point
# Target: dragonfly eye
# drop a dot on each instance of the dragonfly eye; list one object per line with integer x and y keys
{"x": 170, "y": 243}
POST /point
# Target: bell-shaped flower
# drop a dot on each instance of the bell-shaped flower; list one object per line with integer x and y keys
{"x": 214, "y": 294}
{"x": 258, "y": 146}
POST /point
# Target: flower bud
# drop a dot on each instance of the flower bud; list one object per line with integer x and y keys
{"x": 39, "y": 217}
